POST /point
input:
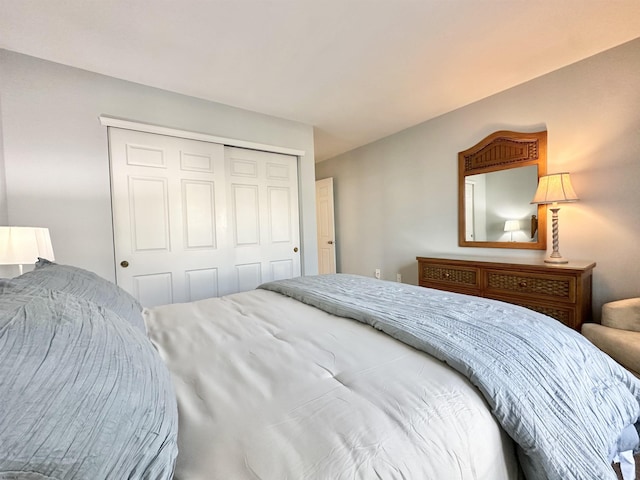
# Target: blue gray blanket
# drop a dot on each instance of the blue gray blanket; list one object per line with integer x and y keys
{"x": 563, "y": 401}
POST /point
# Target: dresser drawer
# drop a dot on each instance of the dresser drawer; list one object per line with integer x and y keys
{"x": 549, "y": 287}
{"x": 564, "y": 313}
{"x": 443, "y": 274}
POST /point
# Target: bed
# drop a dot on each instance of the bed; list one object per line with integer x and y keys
{"x": 322, "y": 377}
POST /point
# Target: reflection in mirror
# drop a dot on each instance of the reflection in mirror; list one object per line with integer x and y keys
{"x": 498, "y": 205}
{"x": 497, "y": 178}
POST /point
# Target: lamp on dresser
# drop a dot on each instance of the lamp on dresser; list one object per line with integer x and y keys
{"x": 554, "y": 189}
{"x": 23, "y": 245}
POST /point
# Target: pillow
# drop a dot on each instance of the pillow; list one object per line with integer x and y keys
{"x": 84, "y": 284}
{"x": 83, "y": 392}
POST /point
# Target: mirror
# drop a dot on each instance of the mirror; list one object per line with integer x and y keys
{"x": 497, "y": 179}
{"x": 495, "y": 198}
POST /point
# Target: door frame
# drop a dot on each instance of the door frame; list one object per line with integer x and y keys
{"x": 108, "y": 121}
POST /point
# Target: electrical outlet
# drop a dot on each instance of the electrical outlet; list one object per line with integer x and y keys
{"x": 399, "y": 277}
{"x": 378, "y": 273}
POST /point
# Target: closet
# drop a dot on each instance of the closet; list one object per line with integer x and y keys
{"x": 195, "y": 219}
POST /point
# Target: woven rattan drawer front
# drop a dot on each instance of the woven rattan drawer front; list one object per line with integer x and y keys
{"x": 566, "y": 315}
{"x": 542, "y": 286}
{"x": 448, "y": 274}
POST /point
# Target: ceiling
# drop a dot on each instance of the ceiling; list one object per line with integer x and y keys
{"x": 357, "y": 70}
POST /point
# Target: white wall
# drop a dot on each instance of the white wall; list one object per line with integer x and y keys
{"x": 56, "y": 159}
{"x": 396, "y": 198}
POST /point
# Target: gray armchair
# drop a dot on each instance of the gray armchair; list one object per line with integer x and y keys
{"x": 619, "y": 333}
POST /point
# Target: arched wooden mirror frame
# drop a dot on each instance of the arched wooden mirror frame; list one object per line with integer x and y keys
{"x": 499, "y": 151}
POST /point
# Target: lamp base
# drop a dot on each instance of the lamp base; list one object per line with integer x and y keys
{"x": 555, "y": 260}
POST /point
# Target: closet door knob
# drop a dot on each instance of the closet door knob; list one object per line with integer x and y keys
{"x": 124, "y": 264}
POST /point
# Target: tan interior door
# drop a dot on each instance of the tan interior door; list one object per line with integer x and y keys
{"x": 325, "y": 226}
{"x": 179, "y": 212}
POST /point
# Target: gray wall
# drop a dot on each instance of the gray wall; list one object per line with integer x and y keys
{"x": 56, "y": 159}
{"x": 4, "y": 215}
{"x": 396, "y": 198}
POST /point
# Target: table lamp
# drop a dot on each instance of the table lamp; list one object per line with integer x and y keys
{"x": 23, "y": 245}
{"x": 554, "y": 189}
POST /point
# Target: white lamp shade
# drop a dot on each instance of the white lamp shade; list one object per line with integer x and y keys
{"x": 555, "y": 188}
{"x": 511, "y": 225}
{"x": 23, "y": 245}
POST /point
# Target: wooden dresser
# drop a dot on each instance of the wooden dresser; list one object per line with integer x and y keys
{"x": 560, "y": 291}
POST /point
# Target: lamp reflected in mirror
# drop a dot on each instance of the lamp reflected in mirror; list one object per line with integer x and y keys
{"x": 511, "y": 226}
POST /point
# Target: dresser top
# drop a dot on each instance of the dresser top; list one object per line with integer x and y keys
{"x": 572, "y": 265}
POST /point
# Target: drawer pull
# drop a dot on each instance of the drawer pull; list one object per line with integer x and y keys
{"x": 522, "y": 284}
{"x": 446, "y": 275}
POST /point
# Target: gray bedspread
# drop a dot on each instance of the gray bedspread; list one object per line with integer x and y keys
{"x": 563, "y": 401}
{"x": 83, "y": 393}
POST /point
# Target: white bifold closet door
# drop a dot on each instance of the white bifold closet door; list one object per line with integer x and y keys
{"x": 194, "y": 219}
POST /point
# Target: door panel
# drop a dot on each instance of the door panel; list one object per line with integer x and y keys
{"x": 149, "y": 210}
{"x": 264, "y": 217}
{"x": 281, "y": 269}
{"x": 202, "y": 283}
{"x": 153, "y": 289}
{"x": 279, "y": 214}
{"x": 245, "y": 215}
{"x": 198, "y": 202}
{"x": 145, "y": 156}
{"x": 165, "y": 193}
{"x": 249, "y": 276}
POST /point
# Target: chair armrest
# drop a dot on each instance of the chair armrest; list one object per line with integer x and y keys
{"x": 623, "y": 314}
{"x": 621, "y": 345}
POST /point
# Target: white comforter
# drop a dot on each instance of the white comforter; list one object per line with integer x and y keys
{"x": 270, "y": 388}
